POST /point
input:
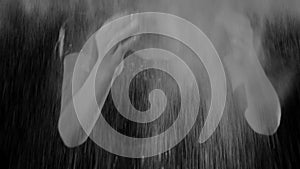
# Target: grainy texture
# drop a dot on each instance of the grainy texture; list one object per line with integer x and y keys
{"x": 30, "y": 89}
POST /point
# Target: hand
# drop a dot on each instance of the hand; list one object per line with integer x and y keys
{"x": 263, "y": 110}
{"x": 125, "y": 29}
{"x": 70, "y": 128}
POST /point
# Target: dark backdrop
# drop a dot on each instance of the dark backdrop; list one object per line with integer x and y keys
{"x": 30, "y": 88}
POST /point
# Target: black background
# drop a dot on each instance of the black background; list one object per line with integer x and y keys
{"x": 30, "y": 87}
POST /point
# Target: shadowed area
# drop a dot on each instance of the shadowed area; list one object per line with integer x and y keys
{"x": 30, "y": 89}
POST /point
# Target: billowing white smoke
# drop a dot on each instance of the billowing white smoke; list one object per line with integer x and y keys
{"x": 228, "y": 26}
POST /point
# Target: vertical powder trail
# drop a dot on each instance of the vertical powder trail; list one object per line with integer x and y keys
{"x": 227, "y": 22}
